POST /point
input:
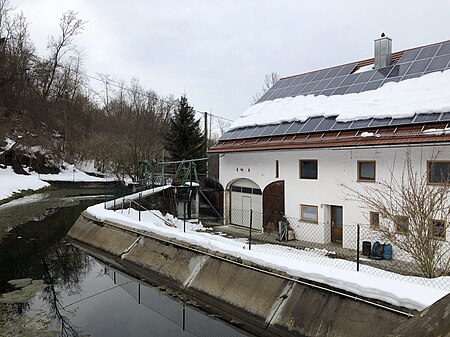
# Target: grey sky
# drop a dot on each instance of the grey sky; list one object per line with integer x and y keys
{"x": 218, "y": 51}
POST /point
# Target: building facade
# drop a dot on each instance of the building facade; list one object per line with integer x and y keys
{"x": 315, "y": 137}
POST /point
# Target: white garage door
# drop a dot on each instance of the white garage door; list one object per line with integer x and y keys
{"x": 246, "y": 196}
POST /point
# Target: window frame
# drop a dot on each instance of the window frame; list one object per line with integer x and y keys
{"x": 300, "y": 169}
{"x": 429, "y": 163}
{"x": 374, "y": 225}
{"x": 309, "y": 220}
{"x": 364, "y": 180}
{"x": 432, "y": 232}
{"x": 396, "y": 224}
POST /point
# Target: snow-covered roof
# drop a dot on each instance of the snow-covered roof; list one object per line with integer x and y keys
{"x": 426, "y": 94}
{"x": 417, "y": 81}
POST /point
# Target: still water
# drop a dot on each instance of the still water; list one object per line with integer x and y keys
{"x": 83, "y": 296}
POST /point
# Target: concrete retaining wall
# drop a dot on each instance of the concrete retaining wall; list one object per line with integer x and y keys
{"x": 263, "y": 303}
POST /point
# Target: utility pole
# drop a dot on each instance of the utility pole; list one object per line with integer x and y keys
{"x": 206, "y": 140}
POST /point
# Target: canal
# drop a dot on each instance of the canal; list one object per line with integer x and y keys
{"x": 50, "y": 287}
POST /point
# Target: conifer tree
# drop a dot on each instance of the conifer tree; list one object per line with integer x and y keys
{"x": 184, "y": 139}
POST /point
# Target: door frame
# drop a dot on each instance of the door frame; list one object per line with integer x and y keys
{"x": 336, "y": 231}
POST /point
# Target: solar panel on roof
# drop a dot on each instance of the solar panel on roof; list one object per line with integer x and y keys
{"x": 296, "y": 80}
{"x": 347, "y": 69}
{"x": 392, "y": 79}
{"x": 277, "y": 84}
{"x": 333, "y": 72}
{"x": 400, "y": 121}
{"x": 445, "y": 116}
{"x": 311, "y": 124}
{"x": 409, "y": 55}
{"x": 362, "y": 123}
{"x": 282, "y": 128}
{"x": 340, "y": 90}
{"x": 297, "y": 90}
{"x": 365, "y": 76}
{"x": 286, "y": 91}
{"x": 418, "y": 67}
{"x": 399, "y": 69}
{"x": 235, "y": 133}
{"x": 438, "y": 63}
{"x": 444, "y": 50}
{"x": 380, "y": 74}
{"x": 322, "y": 84}
{"x": 320, "y": 75}
{"x": 433, "y": 117}
{"x": 225, "y": 136}
{"x": 269, "y": 130}
{"x": 309, "y": 77}
{"x": 288, "y": 82}
{"x": 335, "y": 82}
{"x": 427, "y": 52}
{"x": 339, "y": 80}
{"x": 327, "y": 92}
{"x": 309, "y": 87}
{"x": 341, "y": 126}
{"x": 355, "y": 88}
{"x": 247, "y": 132}
{"x": 372, "y": 85}
{"x": 259, "y": 130}
{"x": 408, "y": 77}
{"x": 264, "y": 97}
{"x": 326, "y": 124}
{"x": 380, "y": 122}
{"x": 295, "y": 128}
{"x": 350, "y": 79}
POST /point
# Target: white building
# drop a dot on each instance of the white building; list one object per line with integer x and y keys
{"x": 310, "y": 134}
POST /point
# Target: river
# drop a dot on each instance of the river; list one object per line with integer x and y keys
{"x": 81, "y": 296}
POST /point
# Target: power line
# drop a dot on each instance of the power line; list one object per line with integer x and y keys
{"x": 123, "y": 87}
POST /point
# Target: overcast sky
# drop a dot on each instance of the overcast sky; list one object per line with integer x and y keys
{"x": 218, "y": 51}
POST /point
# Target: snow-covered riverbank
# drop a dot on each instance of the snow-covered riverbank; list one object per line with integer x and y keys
{"x": 11, "y": 182}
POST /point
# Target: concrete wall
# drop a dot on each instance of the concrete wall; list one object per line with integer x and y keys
{"x": 260, "y": 302}
{"x": 335, "y": 167}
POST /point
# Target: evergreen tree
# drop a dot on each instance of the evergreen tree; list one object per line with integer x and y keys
{"x": 184, "y": 139}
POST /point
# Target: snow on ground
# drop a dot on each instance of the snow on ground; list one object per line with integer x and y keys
{"x": 425, "y": 94}
{"x": 11, "y": 183}
{"x": 71, "y": 173}
{"x": 396, "y": 290}
{"x": 155, "y": 217}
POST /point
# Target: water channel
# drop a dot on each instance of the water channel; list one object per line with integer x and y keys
{"x": 81, "y": 296}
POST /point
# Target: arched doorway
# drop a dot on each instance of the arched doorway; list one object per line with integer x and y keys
{"x": 246, "y": 196}
{"x": 273, "y": 205}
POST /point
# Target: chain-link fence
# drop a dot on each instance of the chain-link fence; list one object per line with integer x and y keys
{"x": 348, "y": 247}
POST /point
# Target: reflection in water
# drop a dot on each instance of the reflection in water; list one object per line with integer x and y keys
{"x": 83, "y": 297}
{"x": 187, "y": 318}
{"x": 64, "y": 267}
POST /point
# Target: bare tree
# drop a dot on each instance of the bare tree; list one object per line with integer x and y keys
{"x": 70, "y": 26}
{"x": 269, "y": 81}
{"x": 413, "y": 215}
